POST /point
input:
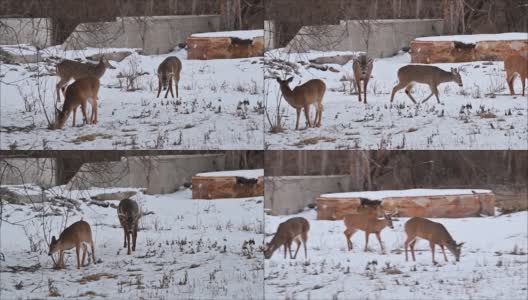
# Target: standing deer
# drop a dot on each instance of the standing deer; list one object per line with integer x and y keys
{"x": 362, "y": 67}
{"x": 70, "y": 69}
{"x": 369, "y": 223}
{"x": 76, "y": 235}
{"x": 169, "y": 70}
{"x": 434, "y": 232}
{"x": 430, "y": 75}
{"x": 295, "y": 229}
{"x": 80, "y": 92}
{"x": 128, "y": 213}
{"x": 516, "y": 65}
{"x": 302, "y": 96}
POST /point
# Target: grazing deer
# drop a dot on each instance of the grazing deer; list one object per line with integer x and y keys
{"x": 169, "y": 70}
{"x": 128, "y": 213}
{"x": 368, "y": 223}
{"x": 362, "y": 67}
{"x": 70, "y": 69}
{"x": 430, "y": 75}
{"x": 80, "y": 92}
{"x": 76, "y": 235}
{"x": 434, "y": 232}
{"x": 295, "y": 229}
{"x": 516, "y": 65}
{"x": 302, "y": 96}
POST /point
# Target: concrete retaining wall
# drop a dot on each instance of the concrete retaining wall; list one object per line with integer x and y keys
{"x": 38, "y": 171}
{"x": 290, "y": 194}
{"x": 385, "y": 37}
{"x": 32, "y": 31}
{"x": 155, "y": 35}
{"x": 164, "y": 174}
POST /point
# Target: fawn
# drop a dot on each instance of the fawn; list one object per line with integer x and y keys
{"x": 302, "y": 96}
{"x": 369, "y": 223}
{"x": 76, "y": 235}
{"x": 362, "y": 67}
{"x": 516, "y": 65}
{"x": 78, "y": 93}
{"x": 70, "y": 69}
{"x": 434, "y": 232}
{"x": 169, "y": 70}
{"x": 430, "y": 75}
{"x": 128, "y": 213}
{"x": 294, "y": 229}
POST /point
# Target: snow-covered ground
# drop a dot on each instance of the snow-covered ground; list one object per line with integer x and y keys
{"x": 378, "y": 195}
{"x": 205, "y": 116}
{"x": 240, "y": 173}
{"x": 480, "y": 115}
{"x": 474, "y": 38}
{"x": 187, "y": 249}
{"x": 241, "y": 34}
{"x": 493, "y": 263}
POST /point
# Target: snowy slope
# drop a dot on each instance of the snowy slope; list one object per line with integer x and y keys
{"x": 187, "y": 249}
{"x": 205, "y": 116}
{"x": 493, "y": 264}
{"x": 480, "y": 115}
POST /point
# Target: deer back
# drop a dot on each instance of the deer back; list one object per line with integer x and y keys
{"x": 516, "y": 64}
{"x": 76, "y": 233}
{"x": 428, "y": 230}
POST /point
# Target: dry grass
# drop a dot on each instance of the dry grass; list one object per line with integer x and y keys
{"x": 96, "y": 277}
{"x": 91, "y": 137}
{"x": 487, "y": 115}
{"x": 313, "y": 141}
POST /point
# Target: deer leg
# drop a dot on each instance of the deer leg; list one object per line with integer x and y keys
{"x": 358, "y": 84}
{"x": 305, "y": 239}
{"x": 523, "y": 84}
{"x": 74, "y": 114}
{"x": 408, "y": 89}
{"x": 366, "y": 240}
{"x": 77, "y": 250}
{"x": 124, "y": 237}
{"x": 93, "y": 251}
{"x": 407, "y": 245}
{"x": 61, "y": 259}
{"x": 379, "y": 240}
{"x": 176, "y": 86}
{"x": 298, "y": 241}
{"x": 289, "y": 248}
{"x": 398, "y": 87}
{"x": 159, "y": 87}
{"x": 365, "y": 82}
{"x": 435, "y": 91}
{"x": 298, "y": 115}
{"x": 83, "y": 110}
{"x": 443, "y": 251}
{"x": 412, "y": 249}
{"x": 60, "y": 85}
{"x": 432, "y": 245}
{"x": 169, "y": 88}
{"x": 94, "y": 110}
{"x": 85, "y": 249}
{"x": 307, "y": 115}
{"x": 348, "y": 234}
{"x": 285, "y": 249}
{"x": 128, "y": 242}
{"x": 432, "y": 88}
{"x": 135, "y": 237}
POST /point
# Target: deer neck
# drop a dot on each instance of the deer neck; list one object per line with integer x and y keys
{"x": 446, "y": 77}
{"x": 100, "y": 69}
{"x": 288, "y": 94}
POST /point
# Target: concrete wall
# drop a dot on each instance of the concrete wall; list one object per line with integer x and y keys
{"x": 38, "y": 171}
{"x": 385, "y": 37}
{"x": 269, "y": 35}
{"x": 159, "y": 175}
{"x": 285, "y": 195}
{"x": 35, "y": 31}
{"x": 155, "y": 35}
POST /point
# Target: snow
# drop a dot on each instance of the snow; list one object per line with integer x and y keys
{"x": 205, "y": 116}
{"x": 479, "y": 116}
{"x": 493, "y": 263}
{"x": 378, "y": 195}
{"x": 241, "y": 34}
{"x": 475, "y": 38}
{"x": 256, "y": 173}
{"x": 184, "y": 238}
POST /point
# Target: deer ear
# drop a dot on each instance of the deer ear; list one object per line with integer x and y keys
{"x": 53, "y": 240}
{"x": 290, "y": 79}
{"x": 460, "y": 245}
{"x": 278, "y": 79}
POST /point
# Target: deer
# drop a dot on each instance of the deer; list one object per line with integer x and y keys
{"x": 434, "y": 232}
{"x": 128, "y": 213}
{"x": 430, "y": 75}
{"x": 295, "y": 229}
{"x": 302, "y": 96}
{"x": 79, "y": 93}
{"x": 70, "y": 69}
{"x": 362, "y": 67}
{"x": 369, "y": 223}
{"x": 169, "y": 70}
{"x": 516, "y": 65}
{"x": 76, "y": 235}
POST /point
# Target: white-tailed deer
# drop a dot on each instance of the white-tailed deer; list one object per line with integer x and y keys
{"x": 430, "y": 75}
{"x": 369, "y": 223}
{"x": 302, "y": 96}
{"x": 70, "y": 69}
{"x": 295, "y": 229}
{"x": 128, "y": 213}
{"x": 76, "y": 235}
{"x": 516, "y": 65}
{"x": 169, "y": 70}
{"x": 434, "y": 232}
{"x": 81, "y": 92}
{"x": 362, "y": 67}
